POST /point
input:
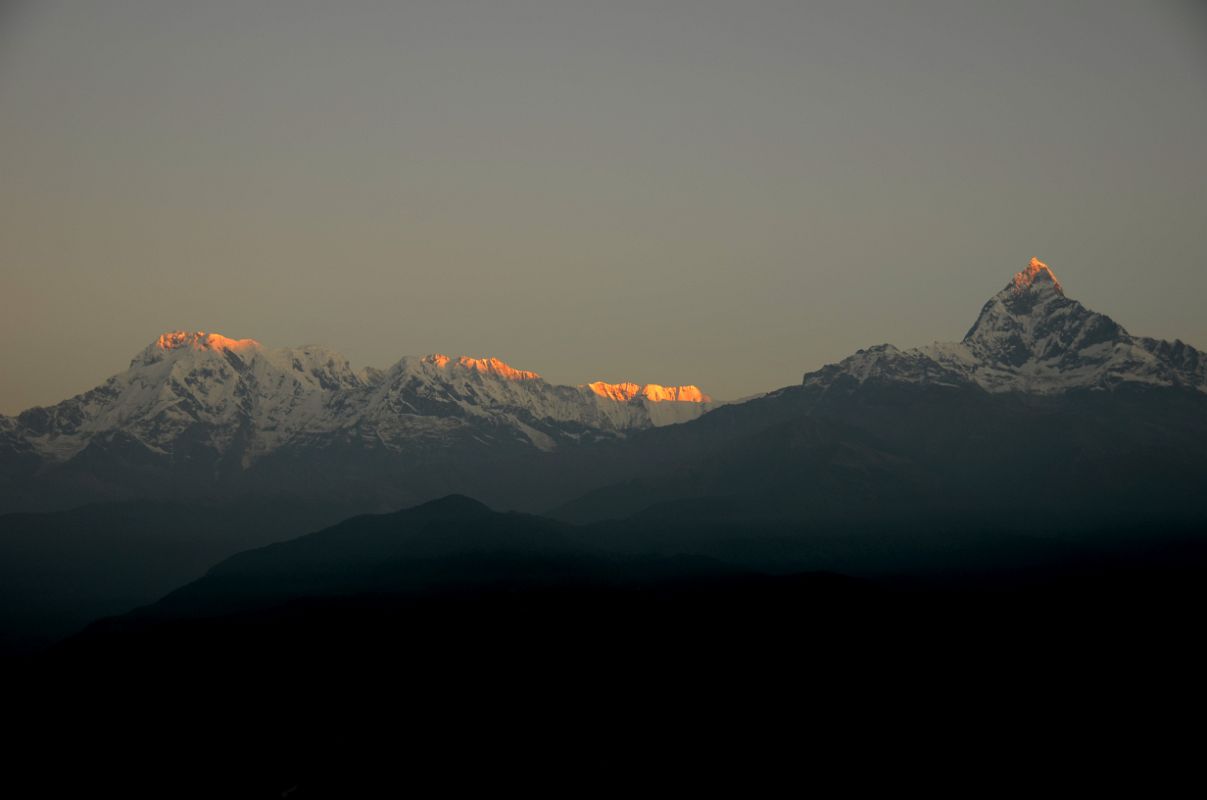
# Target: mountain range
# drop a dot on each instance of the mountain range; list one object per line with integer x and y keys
{"x": 211, "y": 411}
{"x": 1044, "y": 408}
{"x": 199, "y": 415}
{"x": 1048, "y": 429}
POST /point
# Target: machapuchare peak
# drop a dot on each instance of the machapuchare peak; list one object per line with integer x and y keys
{"x": 1030, "y": 339}
{"x": 1035, "y": 271}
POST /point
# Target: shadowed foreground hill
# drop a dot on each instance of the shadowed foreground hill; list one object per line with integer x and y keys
{"x": 456, "y": 547}
{"x": 466, "y": 642}
{"x": 415, "y": 568}
{"x": 895, "y": 452}
{"x": 62, "y": 570}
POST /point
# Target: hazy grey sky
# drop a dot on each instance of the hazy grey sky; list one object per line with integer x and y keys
{"x": 721, "y": 193}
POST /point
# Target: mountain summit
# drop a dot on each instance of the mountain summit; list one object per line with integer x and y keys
{"x": 1036, "y": 271}
{"x": 1030, "y": 338}
{"x": 489, "y": 366}
{"x": 653, "y": 392}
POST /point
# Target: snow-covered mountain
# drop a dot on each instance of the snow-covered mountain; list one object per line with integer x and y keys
{"x": 198, "y": 415}
{"x": 434, "y": 395}
{"x": 1030, "y": 338}
{"x": 190, "y": 392}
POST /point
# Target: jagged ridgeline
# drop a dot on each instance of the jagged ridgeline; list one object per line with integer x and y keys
{"x": 1031, "y": 338}
{"x": 198, "y": 413}
{"x": 1047, "y": 425}
{"x": 201, "y": 415}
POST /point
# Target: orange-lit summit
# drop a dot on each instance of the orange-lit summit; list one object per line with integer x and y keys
{"x": 653, "y": 392}
{"x": 1023, "y": 280}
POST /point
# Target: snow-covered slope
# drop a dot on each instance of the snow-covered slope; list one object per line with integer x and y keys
{"x": 436, "y": 395}
{"x": 1031, "y": 338}
{"x": 202, "y": 387}
{"x": 664, "y": 405}
{"x": 241, "y": 401}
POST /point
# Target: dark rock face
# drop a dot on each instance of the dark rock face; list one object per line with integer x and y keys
{"x": 1031, "y": 338}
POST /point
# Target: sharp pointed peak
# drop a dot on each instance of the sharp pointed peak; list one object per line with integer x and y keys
{"x": 1036, "y": 271}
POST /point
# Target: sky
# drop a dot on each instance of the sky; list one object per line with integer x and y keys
{"x": 720, "y": 193}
